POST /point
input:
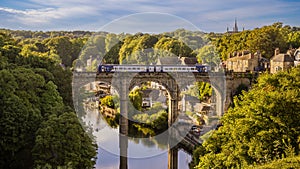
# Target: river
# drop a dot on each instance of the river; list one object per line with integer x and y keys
{"x": 142, "y": 153}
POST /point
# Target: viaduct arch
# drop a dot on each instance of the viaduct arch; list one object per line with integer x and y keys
{"x": 173, "y": 82}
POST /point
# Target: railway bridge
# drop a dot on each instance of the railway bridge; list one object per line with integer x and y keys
{"x": 224, "y": 85}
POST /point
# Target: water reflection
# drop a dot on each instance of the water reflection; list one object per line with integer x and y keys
{"x": 107, "y": 160}
{"x": 155, "y": 155}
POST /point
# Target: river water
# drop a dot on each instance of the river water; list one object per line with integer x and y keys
{"x": 142, "y": 154}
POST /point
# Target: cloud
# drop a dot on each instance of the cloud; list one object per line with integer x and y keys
{"x": 205, "y": 14}
{"x": 149, "y": 22}
{"x": 45, "y": 15}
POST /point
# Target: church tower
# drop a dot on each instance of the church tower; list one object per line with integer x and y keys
{"x": 235, "y": 29}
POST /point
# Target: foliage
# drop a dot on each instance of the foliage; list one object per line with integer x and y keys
{"x": 239, "y": 90}
{"x": 145, "y": 48}
{"x": 107, "y": 101}
{"x": 174, "y": 47}
{"x": 135, "y": 97}
{"x": 285, "y": 163}
{"x": 294, "y": 39}
{"x": 30, "y": 100}
{"x": 157, "y": 121}
{"x": 262, "y": 126}
{"x": 265, "y": 40}
{"x": 112, "y": 56}
{"x": 208, "y": 55}
{"x": 58, "y": 143}
{"x": 201, "y": 90}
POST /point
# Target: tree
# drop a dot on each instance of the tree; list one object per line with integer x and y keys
{"x": 265, "y": 40}
{"x": 29, "y": 99}
{"x": 209, "y": 55}
{"x": 112, "y": 56}
{"x": 259, "y": 128}
{"x": 135, "y": 97}
{"x": 111, "y": 40}
{"x": 294, "y": 39}
{"x": 62, "y": 46}
{"x": 61, "y": 141}
{"x": 201, "y": 90}
{"x": 174, "y": 46}
{"x": 108, "y": 101}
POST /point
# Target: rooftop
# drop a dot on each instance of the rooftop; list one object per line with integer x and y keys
{"x": 282, "y": 58}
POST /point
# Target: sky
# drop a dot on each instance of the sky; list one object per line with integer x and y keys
{"x": 145, "y": 15}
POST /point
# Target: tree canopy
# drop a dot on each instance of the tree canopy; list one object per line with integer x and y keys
{"x": 38, "y": 128}
{"x": 263, "y": 125}
{"x": 265, "y": 40}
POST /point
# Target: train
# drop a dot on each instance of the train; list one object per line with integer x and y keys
{"x": 109, "y": 68}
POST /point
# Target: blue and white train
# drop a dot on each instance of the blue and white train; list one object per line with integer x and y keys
{"x": 108, "y": 68}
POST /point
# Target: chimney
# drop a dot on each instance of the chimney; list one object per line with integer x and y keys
{"x": 277, "y": 51}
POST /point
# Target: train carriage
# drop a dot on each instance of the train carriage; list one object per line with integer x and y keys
{"x": 153, "y": 68}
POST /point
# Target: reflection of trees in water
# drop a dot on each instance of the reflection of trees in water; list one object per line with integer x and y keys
{"x": 137, "y": 133}
{"x": 112, "y": 122}
{"x": 151, "y": 142}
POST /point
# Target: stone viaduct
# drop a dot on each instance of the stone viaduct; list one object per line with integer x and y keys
{"x": 224, "y": 86}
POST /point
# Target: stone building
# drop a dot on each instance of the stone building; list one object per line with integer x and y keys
{"x": 189, "y": 61}
{"x": 281, "y": 61}
{"x": 297, "y": 57}
{"x": 243, "y": 61}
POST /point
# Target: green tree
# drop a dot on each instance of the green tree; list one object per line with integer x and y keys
{"x": 108, "y": 101}
{"x": 294, "y": 39}
{"x": 135, "y": 97}
{"x": 268, "y": 38}
{"x": 62, "y": 46}
{"x": 259, "y": 128}
{"x": 29, "y": 98}
{"x": 174, "y": 46}
{"x": 265, "y": 40}
{"x": 61, "y": 141}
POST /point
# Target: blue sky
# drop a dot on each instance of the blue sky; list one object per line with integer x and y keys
{"x": 206, "y": 15}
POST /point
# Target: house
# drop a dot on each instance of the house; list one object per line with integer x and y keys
{"x": 297, "y": 57}
{"x": 189, "y": 61}
{"x": 243, "y": 61}
{"x": 281, "y": 61}
{"x": 151, "y": 96}
{"x": 168, "y": 61}
{"x": 146, "y": 99}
